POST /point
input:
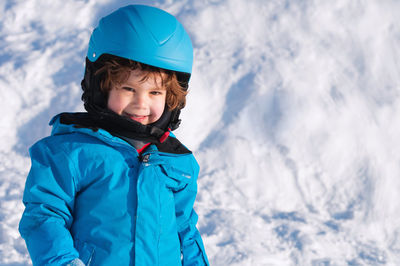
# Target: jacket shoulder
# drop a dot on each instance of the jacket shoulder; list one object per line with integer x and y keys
{"x": 66, "y": 141}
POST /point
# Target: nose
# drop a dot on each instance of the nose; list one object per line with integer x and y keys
{"x": 140, "y": 100}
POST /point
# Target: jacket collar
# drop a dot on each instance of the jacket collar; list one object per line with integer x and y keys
{"x": 82, "y": 122}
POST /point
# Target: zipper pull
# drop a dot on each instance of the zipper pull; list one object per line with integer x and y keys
{"x": 144, "y": 158}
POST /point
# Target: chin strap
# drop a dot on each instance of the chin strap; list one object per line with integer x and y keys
{"x": 175, "y": 121}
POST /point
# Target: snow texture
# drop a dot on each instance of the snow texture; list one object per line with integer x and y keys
{"x": 293, "y": 114}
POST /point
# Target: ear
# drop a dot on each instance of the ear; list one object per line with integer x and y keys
{"x": 183, "y": 79}
{"x": 92, "y": 96}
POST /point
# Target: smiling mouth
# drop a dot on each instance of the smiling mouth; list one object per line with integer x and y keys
{"x": 138, "y": 118}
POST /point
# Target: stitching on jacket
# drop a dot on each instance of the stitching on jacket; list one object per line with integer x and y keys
{"x": 76, "y": 174}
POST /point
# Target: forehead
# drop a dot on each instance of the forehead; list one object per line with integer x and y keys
{"x": 152, "y": 78}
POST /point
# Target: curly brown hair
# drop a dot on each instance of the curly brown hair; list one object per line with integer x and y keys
{"x": 116, "y": 70}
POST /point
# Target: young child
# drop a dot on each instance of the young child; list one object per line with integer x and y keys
{"x": 113, "y": 186}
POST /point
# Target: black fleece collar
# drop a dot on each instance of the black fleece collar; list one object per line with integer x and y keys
{"x": 122, "y": 127}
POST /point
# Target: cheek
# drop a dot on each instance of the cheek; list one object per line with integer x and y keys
{"x": 158, "y": 107}
{"x": 115, "y": 103}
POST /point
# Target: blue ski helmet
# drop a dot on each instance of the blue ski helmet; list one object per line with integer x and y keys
{"x": 144, "y": 34}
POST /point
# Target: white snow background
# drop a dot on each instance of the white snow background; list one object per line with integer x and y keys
{"x": 293, "y": 115}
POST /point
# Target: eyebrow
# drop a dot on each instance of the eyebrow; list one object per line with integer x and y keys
{"x": 153, "y": 88}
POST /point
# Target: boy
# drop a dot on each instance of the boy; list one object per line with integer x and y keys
{"x": 112, "y": 186}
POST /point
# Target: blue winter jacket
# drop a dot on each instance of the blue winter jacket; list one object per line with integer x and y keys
{"x": 88, "y": 196}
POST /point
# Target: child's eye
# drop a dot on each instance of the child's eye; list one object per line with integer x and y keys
{"x": 128, "y": 89}
{"x": 156, "y": 93}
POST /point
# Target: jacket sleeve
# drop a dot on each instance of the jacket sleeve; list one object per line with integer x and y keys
{"x": 191, "y": 243}
{"x": 49, "y": 200}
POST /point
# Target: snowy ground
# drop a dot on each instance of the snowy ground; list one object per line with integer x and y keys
{"x": 293, "y": 115}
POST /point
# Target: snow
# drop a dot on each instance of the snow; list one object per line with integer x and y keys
{"x": 293, "y": 115}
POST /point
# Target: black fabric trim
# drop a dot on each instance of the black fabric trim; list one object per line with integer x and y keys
{"x": 114, "y": 124}
{"x": 86, "y": 120}
{"x": 172, "y": 145}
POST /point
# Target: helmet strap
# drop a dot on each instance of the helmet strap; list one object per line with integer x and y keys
{"x": 175, "y": 121}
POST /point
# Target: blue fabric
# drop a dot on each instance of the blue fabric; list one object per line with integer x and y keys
{"x": 76, "y": 262}
{"x": 88, "y": 196}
